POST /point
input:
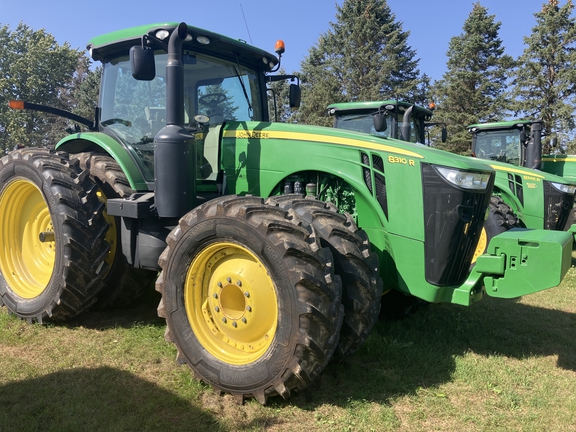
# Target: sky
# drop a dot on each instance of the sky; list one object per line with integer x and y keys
{"x": 299, "y": 23}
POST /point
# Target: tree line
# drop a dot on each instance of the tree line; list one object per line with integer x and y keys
{"x": 365, "y": 55}
{"x": 35, "y": 68}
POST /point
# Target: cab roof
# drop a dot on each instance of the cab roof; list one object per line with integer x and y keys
{"x": 501, "y": 125}
{"x": 119, "y": 42}
{"x": 374, "y": 105}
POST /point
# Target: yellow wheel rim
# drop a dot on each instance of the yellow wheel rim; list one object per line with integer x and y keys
{"x": 482, "y": 245}
{"x": 231, "y": 303}
{"x": 111, "y": 234}
{"x": 26, "y": 262}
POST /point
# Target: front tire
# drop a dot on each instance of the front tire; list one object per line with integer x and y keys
{"x": 250, "y": 298}
{"x": 501, "y": 218}
{"x": 52, "y": 234}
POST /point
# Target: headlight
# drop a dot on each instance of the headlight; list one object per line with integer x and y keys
{"x": 465, "y": 179}
{"x": 569, "y": 189}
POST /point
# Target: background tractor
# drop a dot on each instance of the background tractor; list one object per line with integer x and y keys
{"x": 524, "y": 194}
{"x": 273, "y": 241}
{"x": 525, "y": 136}
{"x": 389, "y": 118}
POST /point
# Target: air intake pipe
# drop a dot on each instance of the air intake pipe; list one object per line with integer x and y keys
{"x": 534, "y": 147}
{"x": 405, "y": 125}
{"x": 175, "y": 147}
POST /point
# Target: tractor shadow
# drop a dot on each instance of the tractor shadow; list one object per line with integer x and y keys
{"x": 140, "y": 312}
{"x": 97, "y": 399}
{"x": 403, "y": 356}
{"x": 418, "y": 352}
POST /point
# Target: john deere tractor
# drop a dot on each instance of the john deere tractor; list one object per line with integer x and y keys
{"x": 531, "y": 135}
{"x": 524, "y": 195}
{"x": 521, "y": 197}
{"x": 273, "y": 241}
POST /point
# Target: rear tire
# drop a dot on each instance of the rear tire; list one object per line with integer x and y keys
{"x": 52, "y": 232}
{"x": 123, "y": 283}
{"x": 250, "y": 298}
{"x": 353, "y": 261}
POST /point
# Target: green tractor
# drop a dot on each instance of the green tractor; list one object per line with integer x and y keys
{"x": 389, "y": 119}
{"x": 273, "y": 241}
{"x": 562, "y": 165}
{"x": 524, "y": 195}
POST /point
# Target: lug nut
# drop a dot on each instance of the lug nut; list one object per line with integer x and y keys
{"x": 228, "y": 279}
{"x": 249, "y": 308}
{"x": 234, "y": 324}
{"x": 224, "y": 320}
{"x": 244, "y": 320}
{"x": 239, "y": 283}
{"x": 246, "y": 293}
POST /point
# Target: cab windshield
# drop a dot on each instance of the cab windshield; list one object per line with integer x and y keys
{"x": 135, "y": 111}
{"x": 501, "y": 146}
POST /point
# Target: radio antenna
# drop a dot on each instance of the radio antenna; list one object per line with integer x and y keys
{"x": 247, "y": 29}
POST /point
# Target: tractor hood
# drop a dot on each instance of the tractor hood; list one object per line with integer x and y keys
{"x": 341, "y": 137}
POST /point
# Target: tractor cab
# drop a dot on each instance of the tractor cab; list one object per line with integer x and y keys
{"x": 215, "y": 90}
{"x": 513, "y": 142}
{"x": 388, "y": 119}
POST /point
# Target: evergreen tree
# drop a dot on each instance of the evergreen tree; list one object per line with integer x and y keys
{"x": 545, "y": 83}
{"x": 85, "y": 88}
{"x": 474, "y": 87}
{"x": 364, "y": 56}
{"x": 33, "y": 68}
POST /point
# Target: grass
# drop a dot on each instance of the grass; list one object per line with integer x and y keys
{"x": 500, "y": 365}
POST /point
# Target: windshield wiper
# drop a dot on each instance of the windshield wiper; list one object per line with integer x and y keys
{"x": 250, "y": 110}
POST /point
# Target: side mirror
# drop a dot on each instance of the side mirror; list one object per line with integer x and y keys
{"x": 554, "y": 142}
{"x": 522, "y": 137}
{"x": 142, "y": 62}
{"x": 379, "y": 120}
{"x": 295, "y": 94}
{"x": 444, "y": 135}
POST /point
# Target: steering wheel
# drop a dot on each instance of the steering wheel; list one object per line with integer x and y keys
{"x": 126, "y": 123}
{"x": 212, "y": 99}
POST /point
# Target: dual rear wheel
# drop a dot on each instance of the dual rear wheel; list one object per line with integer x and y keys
{"x": 250, "y": 298}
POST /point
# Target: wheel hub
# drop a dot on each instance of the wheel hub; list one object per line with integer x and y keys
{"x": 28, "y": 251}
{"x": 232, "y": 291}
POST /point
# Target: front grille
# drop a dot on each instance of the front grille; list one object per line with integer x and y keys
{"x": 557, "y": 208}
{"x": 453, "y": 221}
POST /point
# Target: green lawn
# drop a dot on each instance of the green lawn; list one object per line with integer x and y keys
{"x": 499, "y": 365}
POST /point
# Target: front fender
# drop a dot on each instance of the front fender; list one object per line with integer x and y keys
{"x": 100, "y": 142}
